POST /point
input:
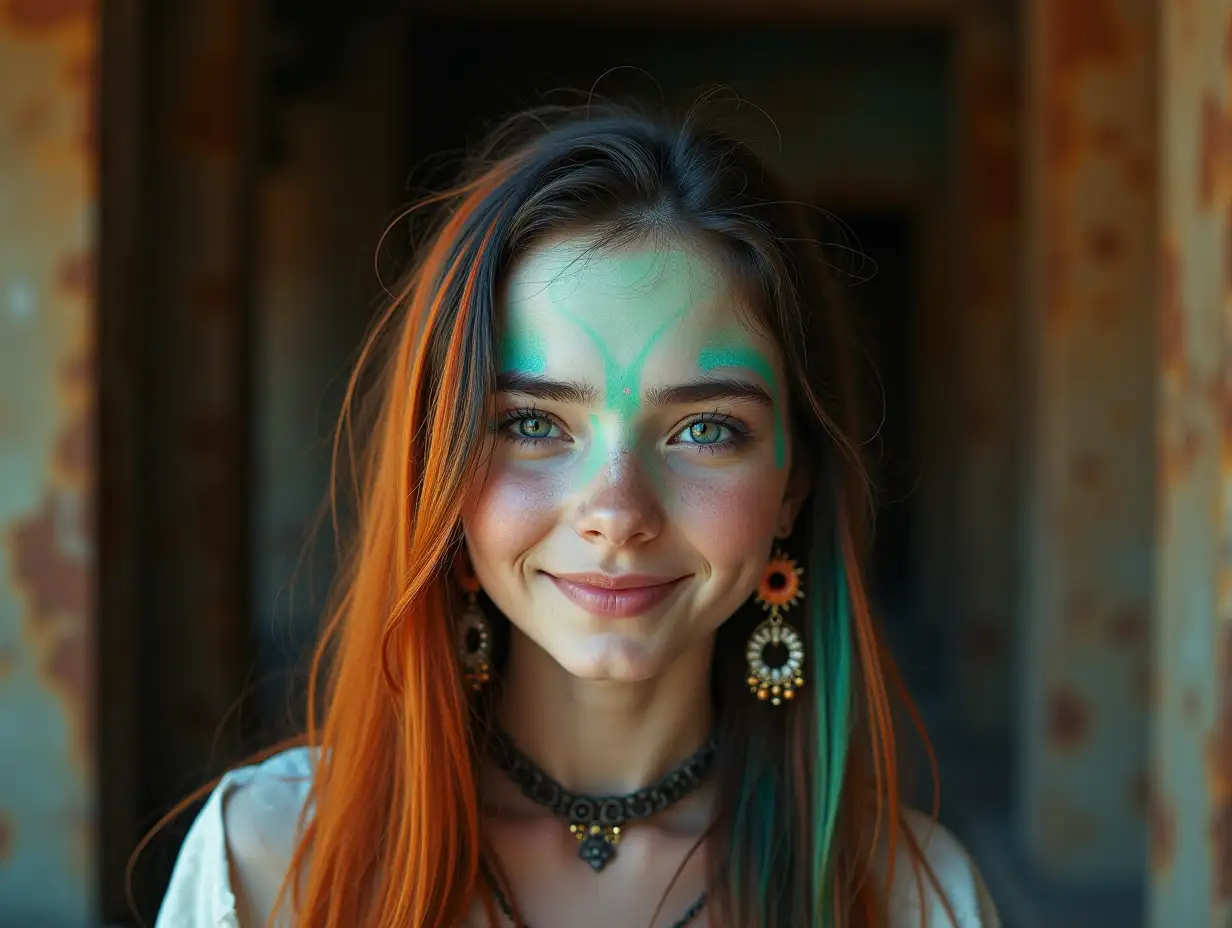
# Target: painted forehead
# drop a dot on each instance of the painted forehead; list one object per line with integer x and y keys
{"x": 565, "y": 301}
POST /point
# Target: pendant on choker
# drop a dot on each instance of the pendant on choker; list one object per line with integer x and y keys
{"x": 597, "y": 844}
{"x": 598, "y": 822}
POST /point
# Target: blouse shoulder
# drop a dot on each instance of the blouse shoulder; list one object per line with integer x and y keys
{"x": 236, "y": 852}
{"x": 917, "y": 903}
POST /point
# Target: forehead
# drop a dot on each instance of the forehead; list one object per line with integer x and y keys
{"x": 566, "y": 301}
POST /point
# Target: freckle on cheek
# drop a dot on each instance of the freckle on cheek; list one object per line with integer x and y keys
{"x": 511, "y": 513}
{"x": 729, "y": 516}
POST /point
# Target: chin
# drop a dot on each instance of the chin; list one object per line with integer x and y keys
{"x": 617, "y": 658}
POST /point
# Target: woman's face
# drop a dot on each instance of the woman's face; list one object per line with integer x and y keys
{"x": 640, "y": 457}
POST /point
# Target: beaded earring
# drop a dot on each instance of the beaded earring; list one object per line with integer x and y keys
{"x": 474, "y": 635}
{"x": 775, "y": 650}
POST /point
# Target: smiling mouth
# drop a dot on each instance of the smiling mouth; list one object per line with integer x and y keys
{"x": 615, "y": 596}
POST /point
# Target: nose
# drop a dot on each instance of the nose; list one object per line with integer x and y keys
{"x": 620, "y": 507}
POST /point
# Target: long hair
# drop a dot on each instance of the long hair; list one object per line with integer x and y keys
{"x": 807, "y": 793}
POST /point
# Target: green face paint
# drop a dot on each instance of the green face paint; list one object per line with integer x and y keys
{"x": 617, "y": 308}
{"x": 523, "y": 350}
{"x": 624, "y": 304}
{"x": 720, "y": 355}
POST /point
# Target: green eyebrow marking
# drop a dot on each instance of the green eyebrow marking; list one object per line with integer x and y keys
{"x": 719, "y": 356}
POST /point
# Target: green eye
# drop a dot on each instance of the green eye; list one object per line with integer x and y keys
{"x": 534, "y": 427}
{"x": 705, "y": 433}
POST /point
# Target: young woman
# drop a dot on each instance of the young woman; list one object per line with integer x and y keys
{"x": 601, "y": 653}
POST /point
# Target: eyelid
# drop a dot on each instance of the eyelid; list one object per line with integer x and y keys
{"x": 740, "y": 431}
{"x": 507, "y": 418}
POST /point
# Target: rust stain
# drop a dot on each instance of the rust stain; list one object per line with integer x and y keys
{"x": 1105, "y": 244}
{"x": 1083, "y": 33}
{"x": 1069, "y": 719}
{"x": 76, "y": 273}
{"x": 31, "y": 119}
{"x": 51, "y": 572}
{"x": 54, "y": 582}
{"x": 46, "y": 15}
{"x": 7, "y": 663}
{"x": 1080, "y": 36}
{"x": 6, "y": 836}
{"x": 1109, "y": 140}
{"x": 1161, "y": 830}
{"x": 1127, "y": 626}
{"x": 55, "y": 585}
{"x": 75, "y": 447}
{"x": 1215, "y": 174}
{"x": 1172, "y": 315}
{"x": 82, "y": 76}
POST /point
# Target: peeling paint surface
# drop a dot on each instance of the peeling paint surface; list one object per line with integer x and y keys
{"x": 47, "y": 204}
{"x": 1191, "y": 823}
{"x": 1090, "y": 444}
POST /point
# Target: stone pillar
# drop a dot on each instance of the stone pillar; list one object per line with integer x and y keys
{"x": 1089, "y": 452}
{"x": 48, "y": 201}
{"x": 1191, "y": 764}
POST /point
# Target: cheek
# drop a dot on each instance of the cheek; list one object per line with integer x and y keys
{"x": 511, "y": 510}
{"x": 730, "y": 521}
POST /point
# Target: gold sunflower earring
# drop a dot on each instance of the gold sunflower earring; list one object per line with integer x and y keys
{"x": 775, "y": 649}
{"x": 474, "y": 635}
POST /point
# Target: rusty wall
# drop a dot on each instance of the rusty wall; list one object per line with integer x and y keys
{"x": 988, "y": 66}
{"x": 1191, "y": 796}
{"x": 47, "y": 243}
{"x": 1087, "y": 567}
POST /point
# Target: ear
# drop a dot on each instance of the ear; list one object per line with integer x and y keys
{"x": 799, "y": 483}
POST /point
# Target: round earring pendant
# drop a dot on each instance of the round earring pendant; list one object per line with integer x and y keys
{"x": 474, "y": 647}
{"x": 778, "y": 680}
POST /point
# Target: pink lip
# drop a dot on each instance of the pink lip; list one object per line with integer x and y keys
{"x": 615, "y": 596}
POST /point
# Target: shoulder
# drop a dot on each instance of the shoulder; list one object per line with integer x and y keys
{"x": 914, "y": 899}
{"x": 238, "y": 849}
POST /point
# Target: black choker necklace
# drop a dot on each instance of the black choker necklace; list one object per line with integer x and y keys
{"x": 596, "y": 821}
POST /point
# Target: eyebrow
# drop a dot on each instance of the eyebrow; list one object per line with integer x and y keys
{"x": 585, "y": 394}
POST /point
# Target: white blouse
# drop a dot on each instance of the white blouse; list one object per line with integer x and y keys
{"x": 200, "y": 893}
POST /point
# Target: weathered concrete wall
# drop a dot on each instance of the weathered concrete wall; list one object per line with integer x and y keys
{"x": 1191, "y": 794}
{"x": 47, "y": 395}
{"x": 1087, "y": 573}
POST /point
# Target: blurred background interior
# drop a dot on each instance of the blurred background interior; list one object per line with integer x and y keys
{"x": 191, "y": 198}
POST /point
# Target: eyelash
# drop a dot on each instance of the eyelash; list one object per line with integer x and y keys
{"x": 740, "y": 433}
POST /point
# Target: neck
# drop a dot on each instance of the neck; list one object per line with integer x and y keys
{"x": 605, "y": 737}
